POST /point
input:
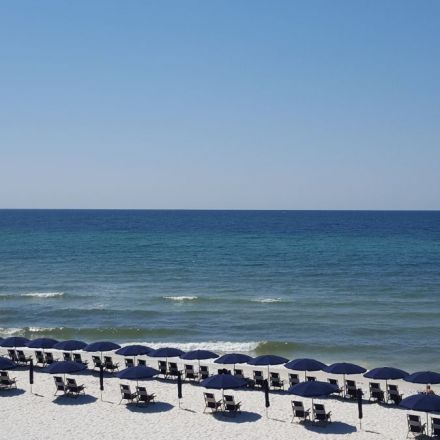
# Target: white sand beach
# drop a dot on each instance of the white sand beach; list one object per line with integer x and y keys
{"x": 40, "y": 415}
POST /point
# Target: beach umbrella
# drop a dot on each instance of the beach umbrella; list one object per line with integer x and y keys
{"x": 179, "y": 386}
{"x": 70, "y": 345}
{"x": 233, "y": 358}
{"x": 7, "y": 364}
{"x": 101, "y": 346}
{"x": 165, "y": 352}
{"x": 64, "y": 367}
{"x": 267, "y": 359}
{"x": 344, "y": 368}
{"x": 359, "y": 395}
{"x": 138, "y": 373}
{"x": 14, "y": 342}
{"x": 42, "y": 343}
{"x": 313, "y": 389}
{"x": 101, "y": 379}
{"x": 266, "y": 394}
{"x": 425, "y": 377}
{"x": 386, "y": 374}
{"x": 422, "y": 402}
{"x": 305, "y": 365}
{"x": 31, "y": 373}
{"x": 223, "y": 382}
{"x": 198, "y": 355}
{"x": 134, "y": 350}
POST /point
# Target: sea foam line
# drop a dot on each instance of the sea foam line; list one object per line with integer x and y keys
{"x": 181, "y": 298}
{"x": 43, "y": 294}
{"x": 267, "y": 300}
{"x": 220, "y": 346}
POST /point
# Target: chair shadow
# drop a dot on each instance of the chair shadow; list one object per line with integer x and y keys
{"x": 241, "y": 417}
{"x": 12, "y": 392}
{"x": 150, "y": 408}
{"x": 331, "y": 428}
{"x": 80, "y": 400}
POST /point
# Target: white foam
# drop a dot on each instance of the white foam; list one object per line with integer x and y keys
{"x": 219, "y": 346}
{"x": 43, "y": 294}
{"x": 43, "y": 329}
{"x": 11, "y": 331}
{"x": 180, "y": 298}
{"x": 267, "y": 300}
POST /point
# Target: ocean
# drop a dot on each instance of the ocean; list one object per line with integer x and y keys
{"x": 359, "y": 286}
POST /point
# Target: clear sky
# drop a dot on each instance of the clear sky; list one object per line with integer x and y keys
{"x": 220, "y": 104}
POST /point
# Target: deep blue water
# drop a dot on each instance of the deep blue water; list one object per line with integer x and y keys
{"x": 338, "y": 285}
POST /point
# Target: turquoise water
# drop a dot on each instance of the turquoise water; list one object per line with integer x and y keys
{"x": 356, "y": 286}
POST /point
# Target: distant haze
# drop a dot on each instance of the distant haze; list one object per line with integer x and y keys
{"x": 217, "y": 104}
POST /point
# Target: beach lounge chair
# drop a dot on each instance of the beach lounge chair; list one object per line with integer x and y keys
{"x": 393, "y": 394}
{"x": 230, "y": 405}
{"x": 6, "y": 381}
{"x": 275, "y": 381}
{"x": 77, "y": 358}
{"x": 172, "y": 369}
{"x": 435, "y": 427}
{"x": 350, "y": 389}
{"x": 239, "y": 373}
{"x": 203, "y": 372}
{"x": 190, "y": 374}
{"x": 73, "y": 389}
{"x": 258, "y": 378}
{"x": 376, "y": 392}
{"x": 319, "y": 413}
{"x": 299, "y": 412}
{"x": 126, "y": 394}
{"x": 12, "y": 355}
{"x": 142, "y": 362}
{"x": 109, "y": 365}
{"x": 39, "y": 358}
{"x": 211, "y": 403}
{"x": 22, "y": 358}
{"x": 67, "y": 356}
{"x": 97, "y": 362}
{"x": 223, "y": 371}
{"x": 59, "y": 385}
{"x": 129, "y": 363}
{"x": 293, "y": 379}
{"x": 50, "y": 359}
{"x": 162, "y": 366}
{"x": 336, "y": 383}
{"x": 415, "y": 426}
{"x": 311, "y": 379}
{"x": 143, "y": 396}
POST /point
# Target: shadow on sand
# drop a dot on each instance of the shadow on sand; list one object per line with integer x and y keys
{"x": 11, "y": 392}
{"x": 80, "y": 400}
{"x": 331, "y": 428}
{"x": 156, "y": 407}
{"x": 241, "y": 417}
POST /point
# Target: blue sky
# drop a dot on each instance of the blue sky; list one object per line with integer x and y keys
{"x": 220, "y": 104}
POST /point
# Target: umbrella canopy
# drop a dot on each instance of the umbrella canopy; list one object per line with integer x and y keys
{"x": 425, "y": 377}
{"x": 199, "y": 355}
{"x": 15, "y": 341}
{"x": 134, "y": 350}
{"x": 6, "y": 364}
{"x": 421, "y": 402}
{"x": 70, "y": 345}
{"x": 313, "y": 389}
{"x": 138, "y": 373}
{"x": 223, "y": 382}
{"x": 385, "y": 373}
{"x": 344, "y": 368}
{"x": 268, "y": 359}
{"x": 42, "y": 343}
{"x": 233, "y": 358}
{"x": 305, "y": 365}
{"x": 101, "y": 346}
{"x": 65, "y": 367}
{"x": 165, "y": 352}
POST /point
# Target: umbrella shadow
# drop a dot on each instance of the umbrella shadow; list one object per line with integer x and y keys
{"x": 241, "y": 417}
{"x": 80, "y": 400}
{"x": 156, "y": 407}
{"x": 12, "y": 392}
{"x": 331, "y": 428}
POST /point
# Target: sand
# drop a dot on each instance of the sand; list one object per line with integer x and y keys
{"x": 40, "y": 415}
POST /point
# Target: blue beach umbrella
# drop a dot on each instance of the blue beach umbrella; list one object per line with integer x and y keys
{"x": 223, "y": 382}
{"x": 267, "y": 359}
{"x": 344, "y": 368}
{"x": 422, "y": 402}
{"x": 42, "y": 343}
{"x": 101, "y": 346}
{"x": 70, "y": 345}
{"x": 14, "y": 342}
{"x": 138, "y": 373}
{"x": 6, "y": 364}
{"x": 233, "y": 358}
{"x": 198, "y": 355}
{"x": 64, "y": 367}
{"x": 313, "y": 389}
{"x": 425, "y": 377}
{"x": 165, "y": 352}
{"x": 386, "y": 374}
{"x": 305, "y": 365}
{"x": 134, "y": 350}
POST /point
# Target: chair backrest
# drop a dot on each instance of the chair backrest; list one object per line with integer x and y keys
{"x": 275, "y": 376}
{"x": 20, "y": 355}
{"x": 333, "y": 381}
{"x": 298, "y": 408}
{"x": 311, "y": 378}
{"x": 318, "y": 408}
{"x": 293, "y": 379}
{"x": 97, "y": 361}
{"x": 129, "y": 362}
{"x": 414, "y": 423}
{"x": 125, "y": 388}
{"x": 4, "y": 375}
{"x": 189, "y": 369}
{"x": 393, "y": 389}
{"x": 142, "y": 362}
{"x": 350, "y": 384}
{"x": 204, "y": 371}
{"x": 71, "y": 382}
{"x": 12, "y": 354}
{"x": 108, "y": 360}
{"x": 435, "y": 426}
{"x": 238, "y": 372}
{"x": 375, "y": 386}
{"x": 162, "y": 366}
{"x": 229, "y": 398}
{"x": 142, "y": 391}
{"x": 67, "y": 356}
{"x": 59, "y": 382}
{"x": 77, "y": 357}
{"x": 258, "y": 374}
{"x": 172, "y": 367}
{"x": 39, "y": 356}
{"x": 210, "y": 400}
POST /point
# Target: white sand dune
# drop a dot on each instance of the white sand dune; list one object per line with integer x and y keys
{"x": 40, "y": 415}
